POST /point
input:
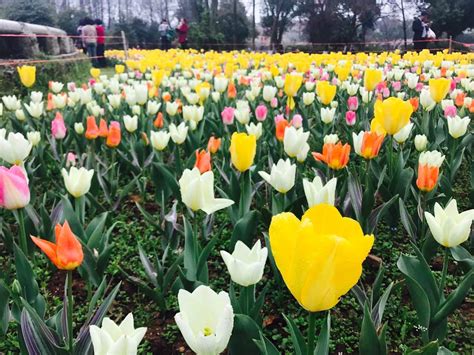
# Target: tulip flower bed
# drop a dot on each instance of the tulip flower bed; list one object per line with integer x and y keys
{"x": 240, "y": 202}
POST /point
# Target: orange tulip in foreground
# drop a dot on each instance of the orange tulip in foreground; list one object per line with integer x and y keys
{"x": 67, "y": 253}
{"x": 428, "y": 170}
{"x": 203, "y": 161}
{"x": 103, "y": 130}
{"x": 336, "y": 156}
{"x": 280, "y": 129}
{"x": 367, "y": 144}
{"x": 213, "y": 145}
{"x": 92, "y": 131}
{"x": 415, "y": 103}
{"x": 158, "y": 122}
{"x": 231, "y": 91}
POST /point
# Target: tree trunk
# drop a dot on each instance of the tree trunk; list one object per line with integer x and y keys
{"x": 404, "y": 24}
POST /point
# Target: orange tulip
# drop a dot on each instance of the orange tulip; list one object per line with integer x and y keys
{"x": 427, "y": 177}
{"x": 103, "y": 130}
{"x": 213, "y": 145}
{"x": 231, "y": 90}
{"x": 158, "y": 122}
{"x": 460, "y": 99}
{"x": 415, "y": 102}
{"x": 280, "y": 129}
{"x": 114, "y": 137}
{"x": 50, "y": 105}
{"x": 336, "y": 156}
{"x": 92, "y": 131}
{"x": 166, "y": 97}
{"x": 471, "y": 107}
{"x": 203, "y": 161}
{"x": 145, "y": 139}
{"x": 371, "y": 144}
{"x": 67, "y": 253}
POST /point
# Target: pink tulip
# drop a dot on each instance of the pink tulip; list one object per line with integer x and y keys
{"x": 396, "y": 85}
{"x": 351, "y": 118}
{"x": 334, "y": 81}
{"x": 419, "y": 87}
{"x": 92, "y": 82}
{"x": 70, "y": 159}
{"x": 14, "y": 190}
{"x": 228, "y": 115}
{"x": 386, "y": 92}
{"x": 452, "y": 85}
{"x": 278, "y": 118}
{"x": 261, "y": 112}
{"x": 274, "y": 103}
{"x": 353, "y": 103}
{"x": 450, "y": 111}
{"x": 58, "y": 128}
{"x": 71, "y": 86}
{"x": 297, "y": 121}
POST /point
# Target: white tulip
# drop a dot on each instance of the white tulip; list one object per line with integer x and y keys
{"x": 3, "y": 133}
{"x": 34, "y": 137}
{"x": 220, "y": 83}
{"x": 446, "y": 102}
{"x": 282, "y": 176}
{"x": 99, "y": 88}
{"x": 352, "y": 89}
{"x": 254, "y": 129}
{"x": 421, "y": 142}
{"x": 294, "y": 141}
{"x": 113, "y": 339}
{"x": 178, "y": 133}
{"x": 308, "y": 98}
{"x": 171, "y": 108}
{"x": 85, "y": 96}
{"x": 159, "y": 140}
{"x": 279, "y": 82}
{"x": 309, "y": 85}
{"x": 79, "y": 127}
{"x": 205, "y": 319}
{"x": 327, "y": 114}
{"x": 192, "y": 98}
{"x": 152, "y": 107}
{"x": 193, "y": 113}
{"x": 114, "y": 100}
{"x": 36, "y": 96}
{"x": 60, "y": 101}
{"x": 136, "y": 110}
{"x": 141, "y": 93}
{"x": 77, "y": 181}
{"x": 412, "y": 80}
{"x": 242, "y": 115}
{"x": 131, "y": 123}
{"x": 449, "y": 227}
{"x": 316, "y": 192}
{"x": 197, "y": 191}
{"x": 269, "y": 92}
{"x": 11, "y": 103}
{"x": 56, "y": 86}
{"x": 215, "y": 96}
{"x": 15, "y": 149}
{"x": 365, "y": 95}
{"x": 331, "y": 138}
{"x": 20, "y": 115}
{"x": 402, "y": 135}
{"x": 245, "y": 265}
{"x": 431, "y": 158}
{"x": 457, "y": 126}
{"x": 426, "y": 101}
{"x": 35, "y": 109}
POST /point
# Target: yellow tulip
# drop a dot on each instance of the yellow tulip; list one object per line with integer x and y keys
{"x": 157, "y": 77}
{"x": 27, "y": 75}
{"x": 371, "y": 78}
{"x": 392, "y": 114}
{"x": 326, "y": 92}
{"x": 439, "y": 88}
{"x": 319, "y": 257}
{"x": 292, "y": 85}
{"x": 242, "y": 150}
{"x": 119, "y": 68}
{"x": 95, "y": 72}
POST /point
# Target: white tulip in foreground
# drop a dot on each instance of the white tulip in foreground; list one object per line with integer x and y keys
{"x": 449, "y": 227}
{"x": 282, "y": 176}
{"x": 15, "y": 149}
{"x": 205, "y": 319}
{"x": 295, "y": 141}
{"x": 316, "y": 192}
{"x": 245, "y": 265}
{"x": 77, "y": 181}
{"x": 197, "y": 191}
{"x": 113, "y": 339}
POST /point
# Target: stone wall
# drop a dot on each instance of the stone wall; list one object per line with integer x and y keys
{"x": 33, "y": 45}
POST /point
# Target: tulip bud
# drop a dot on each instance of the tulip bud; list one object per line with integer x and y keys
{"x": 421, "y": 142}
{"x": 34, "y": 138}
{"x": 79, "y": 127}
{"x": 77, "y": 181}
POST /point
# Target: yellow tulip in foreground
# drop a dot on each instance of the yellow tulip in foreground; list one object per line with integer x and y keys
{"x": 439, "y": 88}
{"x": 242, "y": 150}
{"x": 392, "y": 115}
{"x": 319, "y": 257}
{"x": 292, "y": 85}
{"x": 371, "y": 78}
{"x": 95, "y": 72}
{"x": 326, "y": 92}
{"x": 27, "y": 75}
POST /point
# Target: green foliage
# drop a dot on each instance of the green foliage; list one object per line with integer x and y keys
{"x": 32, "y": 11}
{"x": 139, "y": 33}
{"x": 451, "y": 16}
{"x": 68, "y": 20}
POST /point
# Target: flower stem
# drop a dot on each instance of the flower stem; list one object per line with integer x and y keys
{"x": 21, "y": 223}
{"x": 69, "y": 311}
{"x": 444, "y": 272}
{"x": 311, "y": 332}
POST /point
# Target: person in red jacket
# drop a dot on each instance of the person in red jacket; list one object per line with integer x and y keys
{"x": 100, "y": 29}
{"x": 182, "y": 30}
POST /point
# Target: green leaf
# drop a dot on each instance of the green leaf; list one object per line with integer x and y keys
{"x": 455, "y": 299}
{"x": 265, "y": 346}
{"x": 299, "y": 343}
{"x": 368, "y": 340}
{"x": 429, "y": 349}
{"x": 201, "y": 270}
{"x": 244, "y": 229}
{"x": 71, "y": 216}
{"x": 463, "y": 256}
{"x": 378, "y": 213}
{"x": 355, "y": 195}
{"x": 407, "y": 221}
{"x": 190, "y": 251}
{"x": 4, "y": 309}
{"x": 148, "y": 266}
{"x": 95, "y": 229}
{"x": 243, "y": 335}
{"x": 322, "y": 346}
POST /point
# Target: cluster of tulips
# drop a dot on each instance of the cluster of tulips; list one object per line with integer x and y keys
{"x": 319, "y": 149}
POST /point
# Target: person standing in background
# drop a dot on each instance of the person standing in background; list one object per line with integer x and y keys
{"x": 100, "y": 29}
{"x": 89, "y": 35}
{"x": 164, "y": 29}
{"x": 79, "y": 41}
{"x": 183, "y": 29}
{"x": 420, "y": 31}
